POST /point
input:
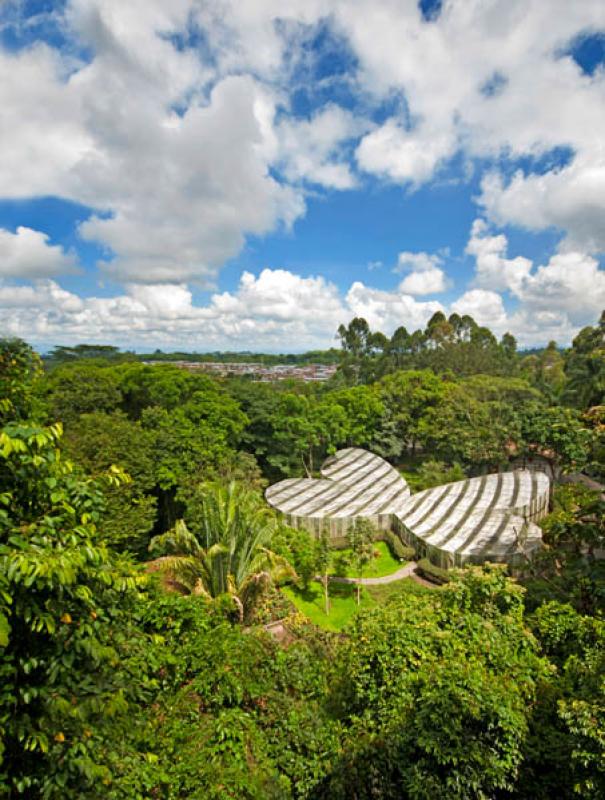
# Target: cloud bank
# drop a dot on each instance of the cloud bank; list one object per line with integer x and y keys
{"x": 279, "y": 310}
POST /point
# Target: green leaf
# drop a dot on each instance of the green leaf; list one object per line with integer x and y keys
{"x": 4, "y": 631}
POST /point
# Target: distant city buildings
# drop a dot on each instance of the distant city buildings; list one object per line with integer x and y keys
{"x": 259, "y": 372}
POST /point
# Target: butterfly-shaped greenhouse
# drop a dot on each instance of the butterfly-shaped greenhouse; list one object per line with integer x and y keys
{"x": 488, "y": 518}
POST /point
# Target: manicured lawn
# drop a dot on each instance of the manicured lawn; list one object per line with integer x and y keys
{"x": 343, "y": 605}
{"x": 383, "y": 564}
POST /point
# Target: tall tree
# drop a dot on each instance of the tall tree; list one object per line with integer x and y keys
{"x": 20, "y": 367}
{"x": 408, "y": 396}
{"x": 96, "y": 442}
{"x": 80, "y": 388}
{"x": 63, "y": 598}
{"x": 585, "y": 367}
{"x": 360, "y": 537}
{"x": 324, "y": 561}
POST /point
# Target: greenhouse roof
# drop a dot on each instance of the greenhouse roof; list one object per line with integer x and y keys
{"x": 490, "y": 517}
{"x": 355, "y": 483}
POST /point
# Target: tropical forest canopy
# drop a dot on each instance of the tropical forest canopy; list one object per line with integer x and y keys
{"x": 140, "y": 566}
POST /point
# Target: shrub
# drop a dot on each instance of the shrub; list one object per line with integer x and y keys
{"x": 431, "y": 572}
{"x": 397, "y": 548}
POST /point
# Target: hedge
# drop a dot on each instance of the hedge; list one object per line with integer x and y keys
{"x": 431, "y": 572}
{"x": 397, "y": 548}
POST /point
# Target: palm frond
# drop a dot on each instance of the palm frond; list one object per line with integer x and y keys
{"x": 178, "y": 540}
{"x": 183, "y": 569}
{"x": 253, "y": 589}
{"x": 231, "y": 554}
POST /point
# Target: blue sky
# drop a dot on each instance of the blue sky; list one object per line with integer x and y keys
{"x": 247, "y": 175}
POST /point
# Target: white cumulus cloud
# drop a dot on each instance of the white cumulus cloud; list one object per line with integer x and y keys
{"x": 387, "y": 310}
{"x": 400, "y": 155}
{"x": 493, "y": 269}
{"x": 175, "y": 160}
{"x": 570, "y": 284}
{"x": 571, "y": 199}
{"x": 311, "y": 149}
{"x": 28, "y": 254}
{"x": 426, "y": 275}
{"x": 551, "y": 301}
{"x": 277, "y": 310}
{"x": 485, "y": 307}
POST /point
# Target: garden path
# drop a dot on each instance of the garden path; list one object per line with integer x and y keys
{"x": 402, "y": 572}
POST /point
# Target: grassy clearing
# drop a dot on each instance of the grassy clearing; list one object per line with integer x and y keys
{"x": 343, "y": 606}
{"x": 382, "y": 564}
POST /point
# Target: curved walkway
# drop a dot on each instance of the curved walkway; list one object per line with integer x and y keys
{"x": 402, "y": 572}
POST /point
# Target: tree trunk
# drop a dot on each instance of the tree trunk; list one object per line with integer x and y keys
{"x": 326, "y": 597}
{"x": 240, "y": 608}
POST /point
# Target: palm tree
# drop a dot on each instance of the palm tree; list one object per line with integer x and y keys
{"x": 230, "y": 554}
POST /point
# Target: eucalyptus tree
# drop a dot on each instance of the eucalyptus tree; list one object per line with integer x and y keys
{"x": 363, "y": 351}
{"x": 229, "y": 552}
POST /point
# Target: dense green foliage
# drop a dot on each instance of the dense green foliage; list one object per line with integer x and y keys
{"x": 436, "y": 694}
{"x": 171, "y": 430}
{"x": 113, "y": 686}
{"x": 570, "y": 569}
{"x": 19, "y": 367}
{"x": 229, "y": 554}
{"x": 451, "y": 391}
{"x": 64, "y": 609}
{"x": 585, "y": 367}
